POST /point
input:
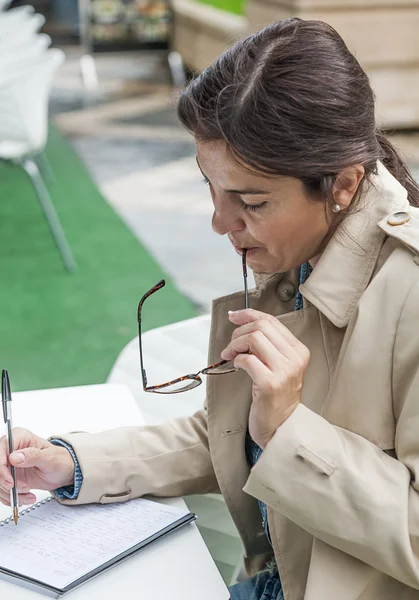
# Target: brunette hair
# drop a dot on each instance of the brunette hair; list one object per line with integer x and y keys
{"x": 292, "y": 100}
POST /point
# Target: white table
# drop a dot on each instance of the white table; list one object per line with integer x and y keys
{"x": 178, "y": 567}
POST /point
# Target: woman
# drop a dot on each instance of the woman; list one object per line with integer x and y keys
{"x": 314, "y": 441}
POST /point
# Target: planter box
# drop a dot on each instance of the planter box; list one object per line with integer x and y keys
{"x": 202, "y": 32}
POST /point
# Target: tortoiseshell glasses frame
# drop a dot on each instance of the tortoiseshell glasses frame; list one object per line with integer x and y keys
{"x": 191, "y": 381}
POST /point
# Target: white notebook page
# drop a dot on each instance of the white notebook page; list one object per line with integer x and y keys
{"x": 58, "y": 544}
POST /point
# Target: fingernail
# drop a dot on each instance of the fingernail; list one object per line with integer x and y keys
{"x": 18, "y": 457}
{"x": 234, "y": 312}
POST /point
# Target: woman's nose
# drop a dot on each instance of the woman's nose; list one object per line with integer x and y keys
{"x": 224, "y": 221}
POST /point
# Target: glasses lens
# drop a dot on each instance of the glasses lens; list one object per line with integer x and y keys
{"x": 177, "y": 387}
{"x": 220, "y": 369}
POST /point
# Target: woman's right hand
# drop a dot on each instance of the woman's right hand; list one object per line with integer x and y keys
{"x": 38, "y": 465}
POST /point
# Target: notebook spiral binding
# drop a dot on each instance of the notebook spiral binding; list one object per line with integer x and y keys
{"x": 25, "y": 511}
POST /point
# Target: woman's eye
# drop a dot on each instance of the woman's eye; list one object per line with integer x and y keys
{"x": 249, "y": 207}
{"x": 253, "y": 207}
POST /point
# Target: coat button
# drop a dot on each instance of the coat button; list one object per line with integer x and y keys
{"x": 398, "y": 218}
{"x": 286, "y": 291}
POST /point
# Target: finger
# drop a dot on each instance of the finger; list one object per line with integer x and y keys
{"x": 21, "y": 490}
{"x": 22, "y": 439}
{"x": 6, "y": 478}
{"x": 7, "y": 485}
{"x": 272, "y": 332}
{"x": 22, "y": 499}
{"x": 250, "y": 315}
{"x": 247, "y": 315}
{"x": 3, "y": 452}
{"x": 257, "y": 371}
{"x": 26, "y": 458}
{"x": 258, "y": 344}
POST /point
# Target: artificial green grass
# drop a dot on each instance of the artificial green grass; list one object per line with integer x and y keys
{"x": 233, "y": 6}
{"x": 59, "y": 329}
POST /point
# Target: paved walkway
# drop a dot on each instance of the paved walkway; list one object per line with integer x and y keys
{"x": 144, "y": 162}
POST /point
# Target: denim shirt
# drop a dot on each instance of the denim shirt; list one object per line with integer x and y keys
{"x": 70, "y": 491}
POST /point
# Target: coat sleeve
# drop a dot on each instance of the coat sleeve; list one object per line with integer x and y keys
{"x": 171, "y": 459}
{"x": 342, "y": 488}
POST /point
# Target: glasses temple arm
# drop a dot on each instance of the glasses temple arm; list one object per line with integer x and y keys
{"x": 154, "y": 289}
{"x": 143, "y": 373}
{"x": 246, "y": 293}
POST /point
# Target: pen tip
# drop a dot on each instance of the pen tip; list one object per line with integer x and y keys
{"x": 15, "y": 515}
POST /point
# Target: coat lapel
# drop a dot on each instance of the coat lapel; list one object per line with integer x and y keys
{"x": 348, "y": 262}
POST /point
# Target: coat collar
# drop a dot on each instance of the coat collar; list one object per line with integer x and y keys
{"x": 347, "y": 264}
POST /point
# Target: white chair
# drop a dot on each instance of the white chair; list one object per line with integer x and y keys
{"x": 169, "y": 352}
{"x": 14, "y": 16}
{"x": 24, "y": 95}
{"x": 24, "y": 55}
{"x": 22, "y": 35}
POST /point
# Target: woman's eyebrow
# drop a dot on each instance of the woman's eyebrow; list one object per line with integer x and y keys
{"x": 245, "y": 192}
{"x": 249, "y": 192}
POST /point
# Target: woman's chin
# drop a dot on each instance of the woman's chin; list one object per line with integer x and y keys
{"x": 263, "y": 263}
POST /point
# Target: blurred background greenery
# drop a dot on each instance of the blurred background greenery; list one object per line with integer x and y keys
{"x": 236, "y": 7}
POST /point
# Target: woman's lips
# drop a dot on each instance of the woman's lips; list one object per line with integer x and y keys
{"x": 240, "y": 250}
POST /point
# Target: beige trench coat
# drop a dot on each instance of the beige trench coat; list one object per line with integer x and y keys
{"x": 340, "y": 476}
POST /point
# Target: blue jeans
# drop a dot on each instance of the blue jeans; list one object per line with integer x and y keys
{"x": 266, "y": 585}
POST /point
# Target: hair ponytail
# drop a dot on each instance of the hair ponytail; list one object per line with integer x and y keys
{"x": 398, "y": 168}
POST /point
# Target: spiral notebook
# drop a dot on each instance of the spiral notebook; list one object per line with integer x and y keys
{"x": 55, "y": 548}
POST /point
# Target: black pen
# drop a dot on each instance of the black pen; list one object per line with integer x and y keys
{"x": 6, "y": 398}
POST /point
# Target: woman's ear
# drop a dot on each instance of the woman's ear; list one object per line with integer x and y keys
{"x": 346, "y": 185}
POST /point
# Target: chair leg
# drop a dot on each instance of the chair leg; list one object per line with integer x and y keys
{"x": 88, "y": 72}
{"x": 32, "y": 170}
{"x": 177, "y": 70}
{"x": 45, "y": 167}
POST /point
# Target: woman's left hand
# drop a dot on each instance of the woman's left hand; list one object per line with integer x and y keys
{"x": 276, "y": 361}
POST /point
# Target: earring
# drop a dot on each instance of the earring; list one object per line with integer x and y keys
{"x": 336, "y": 208}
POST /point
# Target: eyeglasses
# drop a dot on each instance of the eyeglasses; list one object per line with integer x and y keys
{"x": 191, "y": 381}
